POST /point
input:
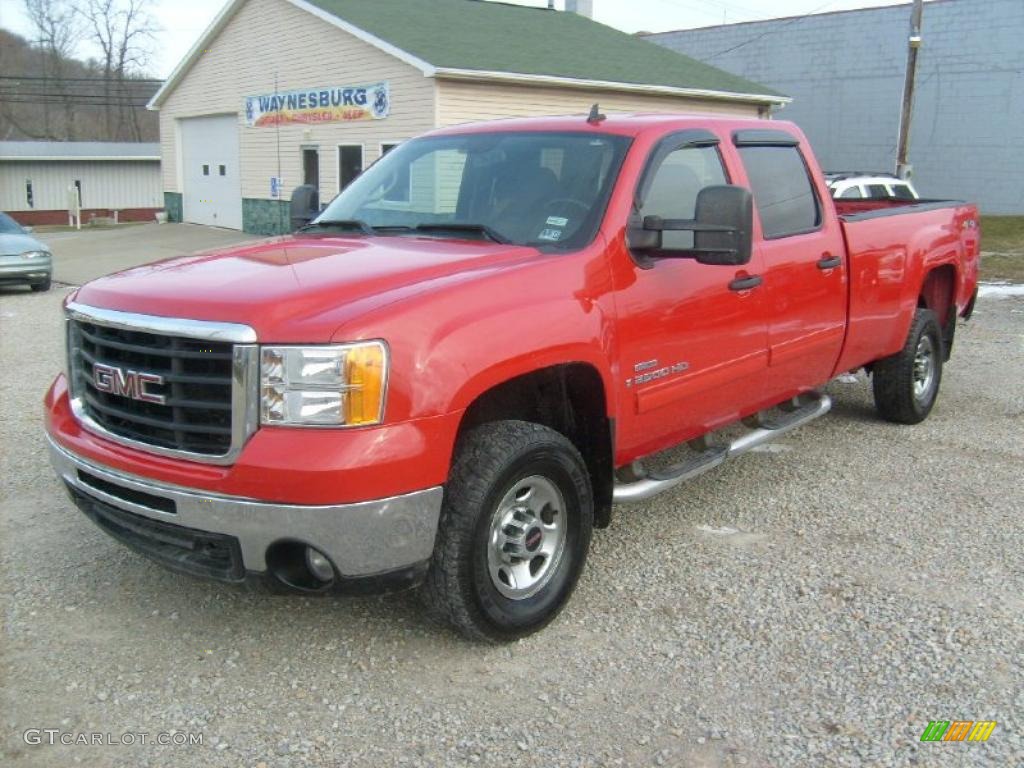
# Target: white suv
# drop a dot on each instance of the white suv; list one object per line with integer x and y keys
{"x": 856, "y": 186}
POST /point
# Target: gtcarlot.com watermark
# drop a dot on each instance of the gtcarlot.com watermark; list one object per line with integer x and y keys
{"x": 53, "y": 736}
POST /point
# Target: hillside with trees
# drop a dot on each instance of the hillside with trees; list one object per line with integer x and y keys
{"x": 46, "y": 93}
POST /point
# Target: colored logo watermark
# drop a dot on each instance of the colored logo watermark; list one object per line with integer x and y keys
{"x": 958, "y": 730}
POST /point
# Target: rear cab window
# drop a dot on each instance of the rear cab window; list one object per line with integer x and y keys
{"x": 780, "y": 180}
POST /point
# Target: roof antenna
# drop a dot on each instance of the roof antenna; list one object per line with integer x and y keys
{"x": 595, "y": 116}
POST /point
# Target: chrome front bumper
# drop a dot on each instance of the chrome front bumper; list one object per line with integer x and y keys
{"x": 24, "y": 269}
{"x": 363, "y": 539}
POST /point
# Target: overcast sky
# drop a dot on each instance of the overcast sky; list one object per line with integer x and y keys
{"x": 183, "y": 21}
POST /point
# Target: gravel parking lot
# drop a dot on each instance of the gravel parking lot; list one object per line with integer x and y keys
{"x": 816, "y": 603}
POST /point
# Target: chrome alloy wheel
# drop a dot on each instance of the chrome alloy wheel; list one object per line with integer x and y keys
{"x": 527, "y": 537}
{"x": 924, "y": 368}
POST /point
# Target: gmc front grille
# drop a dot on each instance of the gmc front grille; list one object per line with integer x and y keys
{"x": 167, "y": 392}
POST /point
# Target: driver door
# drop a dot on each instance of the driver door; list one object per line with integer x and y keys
{"x": 693, "y": 347}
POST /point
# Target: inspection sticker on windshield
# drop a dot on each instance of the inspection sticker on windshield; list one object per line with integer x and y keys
{"x": 550, "y": 234}
{"x": 556, "y": 221}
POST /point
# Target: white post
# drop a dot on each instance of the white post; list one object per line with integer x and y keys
{"x": 74, "y": 209}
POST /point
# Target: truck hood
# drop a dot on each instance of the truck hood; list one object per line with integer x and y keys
{"x": 297, "y": 289}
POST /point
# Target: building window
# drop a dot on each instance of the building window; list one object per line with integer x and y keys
{"x": 206, "y": 170}
{"x": 311, "y": 167}
{"x": 78, "y": 188}
{"x": 223, "y": 169}
{"x": 29, "y": 197}
{"x": 350, "y": 164}
{"x": 783, "y": 192}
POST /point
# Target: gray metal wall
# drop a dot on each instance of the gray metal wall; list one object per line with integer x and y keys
{"x": 105, "y": 184}
{"x": 845, "y": 74}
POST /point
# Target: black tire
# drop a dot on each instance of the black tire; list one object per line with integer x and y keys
{"x": 895, "y": 379}
{"x": 40, "y": 287}
{"x": 490, "y": 461}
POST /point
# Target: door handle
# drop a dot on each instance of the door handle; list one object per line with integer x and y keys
{"x": 828, "y": 261}
{"x": 745, "y": 283}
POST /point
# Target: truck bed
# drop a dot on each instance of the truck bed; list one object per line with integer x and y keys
{"x": 891, "y": 245}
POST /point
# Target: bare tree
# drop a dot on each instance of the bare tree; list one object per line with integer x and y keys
{"x": 123, "y": 32}
{"x": 57, "y": 30}
{"x": 27, "y": 92}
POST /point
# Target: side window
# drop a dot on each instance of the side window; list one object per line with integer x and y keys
{"x": 878, "y": 191}
{"x": 783, "y": 193}
{"x": 675, "y": 185}
{"x": 851, "y": 192}
{"x": 902, "y": 192}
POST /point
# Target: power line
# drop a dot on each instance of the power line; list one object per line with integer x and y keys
{"x": 94, "y": 102}
{"x": 768, "y": 32}
{"x": 141, "y": 80}
{"x": 58, "y": 103}
{"x": 120, "y": 93}
{"x": 134, "y": 97}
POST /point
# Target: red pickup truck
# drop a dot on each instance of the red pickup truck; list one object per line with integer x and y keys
{"x": 449, "y": 377}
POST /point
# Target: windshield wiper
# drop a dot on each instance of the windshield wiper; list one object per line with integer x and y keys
{"x": 357, "y": 224}
{"x": 482, "y": 229}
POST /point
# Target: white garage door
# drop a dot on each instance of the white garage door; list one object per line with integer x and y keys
{"x": 209, "y": 153}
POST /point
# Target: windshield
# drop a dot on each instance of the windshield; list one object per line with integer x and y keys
{"x": 527, "y": 188}
{"x": 9, "y": 226}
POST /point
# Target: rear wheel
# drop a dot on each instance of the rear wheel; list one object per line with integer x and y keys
{"x": 907, "y": 384}
{"x": 514, "y": 532}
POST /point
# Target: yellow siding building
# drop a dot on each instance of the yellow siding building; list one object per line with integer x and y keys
{"x": 279, "y": 93}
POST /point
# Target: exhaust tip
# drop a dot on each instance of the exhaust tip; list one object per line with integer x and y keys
{"x": 319, "y": 565}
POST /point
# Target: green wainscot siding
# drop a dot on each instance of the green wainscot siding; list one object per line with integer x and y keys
{"x": 265, "y": 217}
{"x": 172, "y": 204}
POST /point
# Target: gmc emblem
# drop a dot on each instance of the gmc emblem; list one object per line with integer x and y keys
{"x": 126, "y": 383}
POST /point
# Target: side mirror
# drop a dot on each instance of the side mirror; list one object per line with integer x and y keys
{"x": 722, "y": 228}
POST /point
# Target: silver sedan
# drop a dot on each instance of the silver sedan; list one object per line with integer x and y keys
{"x": 23, "y": 259}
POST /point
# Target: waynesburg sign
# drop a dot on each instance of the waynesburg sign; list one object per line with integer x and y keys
{"x": 319, "y": 105}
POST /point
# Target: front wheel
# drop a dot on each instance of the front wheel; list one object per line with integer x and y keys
{"x": 907, "y": 384}
{"x": 514, "y": 531}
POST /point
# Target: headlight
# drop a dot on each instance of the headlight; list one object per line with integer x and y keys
{"x": 35, "y": 255}
{"x": 338, "y": 385}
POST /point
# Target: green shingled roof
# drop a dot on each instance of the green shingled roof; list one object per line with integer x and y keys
{"x": 497, "y": 37}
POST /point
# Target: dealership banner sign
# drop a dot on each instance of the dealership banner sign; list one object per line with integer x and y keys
{"x": 336, "y": 104}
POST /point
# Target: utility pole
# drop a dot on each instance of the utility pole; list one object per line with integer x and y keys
{"x": 903, "y": 168}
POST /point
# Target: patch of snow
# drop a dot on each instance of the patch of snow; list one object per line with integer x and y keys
{"x": 999, "y": 290}
{"x": 847, "y": 378}
{"x": 723, "y": 531}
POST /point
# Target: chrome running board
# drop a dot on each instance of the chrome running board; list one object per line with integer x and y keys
{"x": 647, "y": 484}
